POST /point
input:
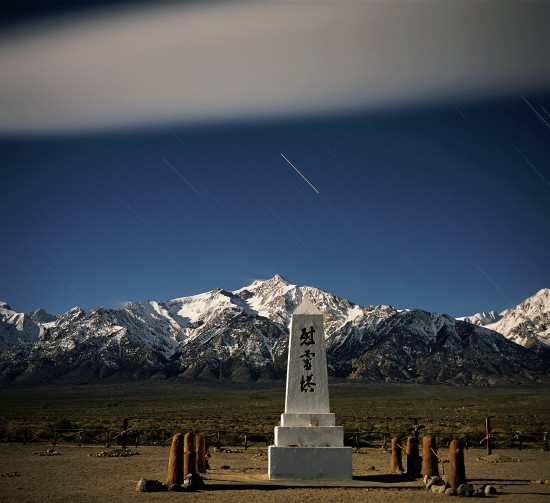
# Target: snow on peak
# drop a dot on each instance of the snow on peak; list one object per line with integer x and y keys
{"x": 195, "y": 307}
{"x": 481, "y": 319}
{"x": 4, "y": 305}
{"x": 528, "y": 323}
{"x": 536, "y": 304}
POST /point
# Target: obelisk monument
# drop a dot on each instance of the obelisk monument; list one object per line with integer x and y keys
{"x": 308, "y": 446}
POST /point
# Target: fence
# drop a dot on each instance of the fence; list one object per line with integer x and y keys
{"x": 128, "y": 435}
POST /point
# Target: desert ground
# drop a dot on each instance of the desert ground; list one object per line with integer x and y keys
{"x": 79, "y": 474}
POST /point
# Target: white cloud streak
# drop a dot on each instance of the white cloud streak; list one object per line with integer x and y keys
{"x": 197, "y": 62}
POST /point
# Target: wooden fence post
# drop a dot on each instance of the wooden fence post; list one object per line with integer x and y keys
{"x": 429, "y": 457}
{"x": 412, "y": 456}
{"x": 457, "y": 470}
{"x": 396, "y": 456}
{"x": 55, "y": 438}
{"x": 546, "y": 447}
{"x": 189, "y": 467}
{"x": 175, "y": 462}
{"x": 124, "y": 430}
{"x": 488, "y": 435}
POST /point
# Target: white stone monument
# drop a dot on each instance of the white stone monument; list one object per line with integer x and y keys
{"x": 308, "y": 446}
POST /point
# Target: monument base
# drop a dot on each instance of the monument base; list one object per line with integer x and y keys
{"x": 310, "y": 463}
{"x": 303, "y": 436}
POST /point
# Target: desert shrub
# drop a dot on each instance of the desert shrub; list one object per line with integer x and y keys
{"x": 62, "y": 424}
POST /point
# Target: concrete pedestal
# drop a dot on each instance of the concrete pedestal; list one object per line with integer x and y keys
{"x": 310, "y": 463}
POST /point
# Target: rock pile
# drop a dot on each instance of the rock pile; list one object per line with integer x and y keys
{"x": 49, "y": 452}
{"x": 116, "y": 453}
{"x": 498, "y": 458}
{"x": 441, "y": 485}
{"x": 191, "y": 482}
{"x": 10, "y": 474}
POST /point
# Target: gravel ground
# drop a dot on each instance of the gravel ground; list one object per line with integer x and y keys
{"x": 79, "y": 474}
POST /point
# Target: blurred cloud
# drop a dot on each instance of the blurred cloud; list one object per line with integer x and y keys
{"x": 198, "y": 62}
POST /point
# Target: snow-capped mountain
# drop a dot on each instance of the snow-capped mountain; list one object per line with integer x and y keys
{"x": 243, "y": 336}
{"x": 527, "y": 324}
{"x": 16, "y": 328}
{"x": 482, "y": 319}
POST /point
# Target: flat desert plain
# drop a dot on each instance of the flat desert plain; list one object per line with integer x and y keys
{"x": 77, "y": 474}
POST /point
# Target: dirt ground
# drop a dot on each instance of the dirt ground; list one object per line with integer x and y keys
{"x": 77, "y": 474}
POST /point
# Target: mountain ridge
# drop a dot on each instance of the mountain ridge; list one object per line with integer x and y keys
{"x": 242, "y": 335}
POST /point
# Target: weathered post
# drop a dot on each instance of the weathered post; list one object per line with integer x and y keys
{"x": 124, "y": 436}
{"x": 429, "y": 457}
{"x": 415, "y": 427}
{"x": 175, "y": 461}
{"x": 520, "y": 439}
{"x": 189, "y": 465}
{"x": 488, "y": 436}
{"x": 200, "y": 453}
{"x": 396, "y": 456}
{"x": 457, "y": 470}
{"x": 412, "y": 456}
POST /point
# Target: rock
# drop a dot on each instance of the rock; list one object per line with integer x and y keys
{"x": 489, "y": 490}
{"x": 149, "y": 486}
{"x": 435, "y": 489}
{"x": 441, "y": 489}
{"x": 193, "y": 482}
{"x": 465, "y": 490}
{"x": 450, "y": 491}
{"x": 480, "y": 493}
{"x": 434, "y": 481}
{"x": 49, "y": 452}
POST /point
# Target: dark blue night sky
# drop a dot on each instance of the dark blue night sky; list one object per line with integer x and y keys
{"x": 443, "y": 206}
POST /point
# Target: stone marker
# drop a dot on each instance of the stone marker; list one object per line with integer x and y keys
{"x": 396, "y": 456}
{"x": 457, "y": 470}
{"x": 189, "y": 464}
{"x": 411, "y": 451}
{"x": 308, "y": 445}
{"x": 429, "y": 458}
{"x": 200, "y": 453}
{"x": 175, "y": 461}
